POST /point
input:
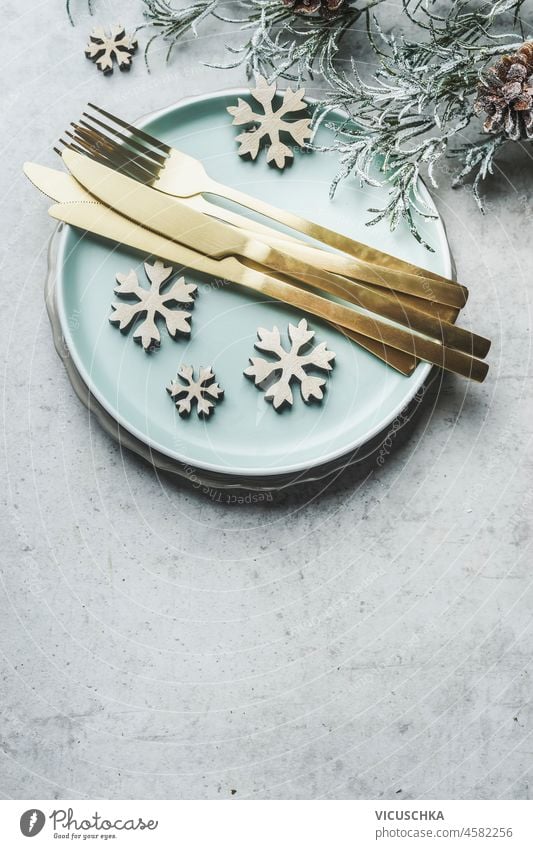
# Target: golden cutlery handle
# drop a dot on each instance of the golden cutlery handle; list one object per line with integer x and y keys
{"x": 452, "y": 295}
{"x": 377, "y": 302}
{"x": 397, "y": 337}
{"x": 358, "y": 250}
{"x": 404, "y": 363}
{"x": 398, "y": 360}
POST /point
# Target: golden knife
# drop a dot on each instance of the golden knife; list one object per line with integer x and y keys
{"x": 179, "y": 174}
{"x": 309, "y": 253}
{"x": 169, "y": 217}
{"x": 62, "y": 187}
{"x": 105, "y": 222}
{"x": 89, "y": 140}
{"x": 145, "y": 204}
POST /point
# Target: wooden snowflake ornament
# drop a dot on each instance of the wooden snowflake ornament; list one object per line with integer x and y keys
{"x": 272, "y": 123}
{"x": 186, "y": 389}
{"x": 292, "y": 364}
{"x": 153, "y": 303}
{"x": 103, "y": 49}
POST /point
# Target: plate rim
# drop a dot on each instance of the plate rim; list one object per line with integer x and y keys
{"x": 422, "y": 371}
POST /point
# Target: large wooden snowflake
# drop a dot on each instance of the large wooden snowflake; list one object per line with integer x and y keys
{"x": 153, "y": 303}
{"x": 272, "y": 123}
{"x": 292, "y": 364}
{"x": 105, "y": 48}
{"x": 186, "y": 389}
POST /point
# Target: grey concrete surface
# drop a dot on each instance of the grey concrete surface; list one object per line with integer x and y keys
{"x": 370, "y": 640}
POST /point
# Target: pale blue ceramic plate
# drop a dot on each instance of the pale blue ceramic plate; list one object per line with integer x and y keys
{"x": 245, "y": 436}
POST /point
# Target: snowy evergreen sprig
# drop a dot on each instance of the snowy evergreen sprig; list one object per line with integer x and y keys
{"x": 420, "y": 102}
{"x": 278, "y": 40}
{"x": 172, "y": 23}
{"x": 417, "y": 110}
{"x": 284, "y": 43}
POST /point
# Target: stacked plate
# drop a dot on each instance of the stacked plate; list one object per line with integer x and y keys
{"x": 245, "y": 444}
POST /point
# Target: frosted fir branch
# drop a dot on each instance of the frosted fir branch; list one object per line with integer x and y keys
{"x": 478, "y": 160}
{"x": 280, "y": 42}
{"x": 172, "y": 24}
{"x": 283, "y": 43}
{"x": 418, "y": 105}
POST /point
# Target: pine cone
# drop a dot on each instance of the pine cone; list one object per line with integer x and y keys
{"x": 505, "y": 93}
{"x": 328, "y": 8}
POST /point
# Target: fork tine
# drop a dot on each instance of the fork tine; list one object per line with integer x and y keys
{"x": 156, "y": 157}
{"x": 80, "y": 145}
{"x": 126, "y": 162}
{"x": 129, "y": 167}
{"x": 115, "y": 158}
{"x": 95, "y": 141}
{"x": 84, "y": 143}
{"x": 134, "y": 130}
{"x": 99, "y": 141}
{"x": 73, "y": 147}
{"x": 58, "y": 150}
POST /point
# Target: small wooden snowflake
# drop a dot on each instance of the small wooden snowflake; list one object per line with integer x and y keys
{"x": 153, "y": 303}
{"x": 272, "y": 123}
{"x": 186, "y": 389}
{"x": 105, "y": 48}
{"x": 292, "y": 364}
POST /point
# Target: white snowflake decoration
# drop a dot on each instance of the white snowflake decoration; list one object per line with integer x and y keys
{"x": 117, "y": 46}
{"x": 272, "y": 123}
{"x": 153, "y": 303}
{"x": 292, "y": 364}
{"x": 184, "y": 392}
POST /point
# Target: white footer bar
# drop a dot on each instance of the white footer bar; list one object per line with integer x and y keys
{"x": 246, "y": 824}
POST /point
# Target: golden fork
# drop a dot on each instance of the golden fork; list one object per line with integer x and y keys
{"x": 426, "y": 300}
{"x": 168, "y": 217}
{"x": 90, "y": 141}
{"x": 81, "y": 210}
{"x": 148, "y": 160}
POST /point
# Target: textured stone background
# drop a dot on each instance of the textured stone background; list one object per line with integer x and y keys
{"x": 372, "y": 640}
